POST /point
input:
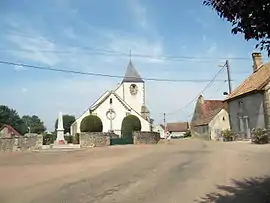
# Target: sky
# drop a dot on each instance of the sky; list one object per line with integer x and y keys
{"x": 97, "y": 35}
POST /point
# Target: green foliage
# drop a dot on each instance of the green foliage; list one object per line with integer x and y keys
{"x": 11, "y": 117}
{"x": 49, "y": 138}
{"x": 34, "y": 123}
{"x": 130, "y": 124}
{"x": 259, "y": 136}
{"x": 187, "y": 134}
{"x": 228, "y": 135}
{"x": 91, "y": 123}
{"x": 249, "y": 17}
{"x": 67, "y": 122}
{"x": 76, "y": 139}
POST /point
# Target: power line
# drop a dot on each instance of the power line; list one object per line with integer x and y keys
{"x": 162, "y": 57}
{"x": 195, "y": 98}
{"x": 100, "y": 74}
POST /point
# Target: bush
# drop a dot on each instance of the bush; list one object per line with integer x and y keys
{"x": 76, "y": 138}
{"x": 91, "y": 123}
{"x": 228, "y": 135}
{"x": 69, "y": 139}
{"x": 259, "y": 136}
{"x": 187, "y": 134}
{"x": 49, "y": 138}
{"x": 130, "y": 124}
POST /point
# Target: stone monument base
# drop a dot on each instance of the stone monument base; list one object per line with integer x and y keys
{"x": 60, "y": 142}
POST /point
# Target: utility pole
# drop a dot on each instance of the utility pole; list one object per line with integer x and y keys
{"x": 164, "y": 115}
{"x": 229, "y": 76}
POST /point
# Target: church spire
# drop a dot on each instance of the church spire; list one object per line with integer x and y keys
{"x": 131, "y": 74}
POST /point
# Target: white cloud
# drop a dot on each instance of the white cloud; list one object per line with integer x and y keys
{"x": 139, "y": 12}
{"x": 19, "y": 68}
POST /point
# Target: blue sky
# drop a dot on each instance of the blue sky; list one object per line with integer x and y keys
{"x": 77, "y": 35}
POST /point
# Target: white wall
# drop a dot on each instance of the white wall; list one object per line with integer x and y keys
{"x": 121, "y": 113}
{"x": 135, "y": 101}
{"x": 219, "y": 122}
{"x": 160, "y": 130}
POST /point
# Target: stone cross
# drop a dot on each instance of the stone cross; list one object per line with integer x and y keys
{"x": 60, "y": 130}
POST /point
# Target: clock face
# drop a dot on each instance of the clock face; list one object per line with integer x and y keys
{"x": 133, "y": 89}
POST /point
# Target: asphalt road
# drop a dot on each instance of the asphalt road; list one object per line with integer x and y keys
{"x": 182, "y": 171}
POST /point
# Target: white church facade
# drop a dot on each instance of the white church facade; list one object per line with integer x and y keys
{"x": 113, "y": 106}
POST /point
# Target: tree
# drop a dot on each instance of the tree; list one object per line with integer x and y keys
{"x": 10, "y": 117}
{"x": 34, "y": 123}
{"x": 250, "y": 17}
{"x": 91, "y": 123}
{"x": 130, "y": 124}
{"x": 67, "y": 122}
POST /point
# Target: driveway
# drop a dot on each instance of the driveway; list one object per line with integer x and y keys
{"x": 181, "y": 171}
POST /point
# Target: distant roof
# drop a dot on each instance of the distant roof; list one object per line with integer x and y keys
{"x": 254, "y": 82}
{"x": 209, "y": 109}
{"x": 131, "y": 74}
{"x": 177, "y": 127}
{"x": 15, "y": 132}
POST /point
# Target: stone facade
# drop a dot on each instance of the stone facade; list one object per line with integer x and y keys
{"x": 23, "y": 143}
{"x": 94, "y": 139}
{"x": 146, "y": 137}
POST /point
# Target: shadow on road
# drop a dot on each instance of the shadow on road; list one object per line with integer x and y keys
{"x": 253, "y": 190}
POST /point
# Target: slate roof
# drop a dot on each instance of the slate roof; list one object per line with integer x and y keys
{"x": 255, "y": 82}
{"x": 209, "y": 109}
{"x": 131, "y": 74}
{"x": 10, "y": 128}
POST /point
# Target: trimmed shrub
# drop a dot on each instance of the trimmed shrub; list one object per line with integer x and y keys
{"x": 91, "y": 123}
{"x": 76, "y": 138}
{"x": 49, "y": 138}
{"x": 69, "y": 139}
{"x": 228, "y": 135}
{"x": 259, "y": 136}
{"x": 130, "y": 124}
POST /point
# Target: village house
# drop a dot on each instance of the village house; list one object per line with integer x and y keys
{"x": 128, "y": 98}
{"x": 7, "y": 131}
{"x": 248, "y": 104}
{"x": 177, "y": 129}
{"x": 210, "y": 117}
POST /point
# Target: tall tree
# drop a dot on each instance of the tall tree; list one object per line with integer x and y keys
{"x": 11, "y": 117}
{"x": 67, "y": 121}
{"x": 249, "y": 17}
{"x": 34, "y": 123}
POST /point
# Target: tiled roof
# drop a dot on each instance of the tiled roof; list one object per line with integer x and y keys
{"x": 131, "y": 74}
{"x": 15, "y": 132}
{"x": 209, "y": 109}
{"x": 254, "y": 82}
{"x": 176, "y": 127}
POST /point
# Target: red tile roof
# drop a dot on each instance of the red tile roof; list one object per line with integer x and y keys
{"x": 15, "y": 132}
{"x": 255, "y": 82}
{"x": 177, "y": 127}
{"x": 209, "y": 109}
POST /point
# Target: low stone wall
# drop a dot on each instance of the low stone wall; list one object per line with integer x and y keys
{"x": 23, "y": 143}
{"x": 146, "y": 137}
{"x": 92, "y": 139}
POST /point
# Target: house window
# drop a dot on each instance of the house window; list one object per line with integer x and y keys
{"x": 223, "y": 118}
{"x": 241, "y": 102}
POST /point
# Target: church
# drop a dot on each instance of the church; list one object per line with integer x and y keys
{"x": 114, "y": 105}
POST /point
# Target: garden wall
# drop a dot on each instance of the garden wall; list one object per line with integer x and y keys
{"x": 146, "y": 137}
{"x": 23, "y": 143}
{"x": 94, "y": 139}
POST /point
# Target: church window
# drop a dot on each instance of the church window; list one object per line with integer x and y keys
{"x": 110, "y": 100}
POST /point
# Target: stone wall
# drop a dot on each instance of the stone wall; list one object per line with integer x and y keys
{"x": 23, "y": 143}
{"x": 146, "y": 137}
{"x": 94, "y": 139}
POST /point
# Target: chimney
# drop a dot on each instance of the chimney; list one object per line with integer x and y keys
{"x": 257, "y": 61}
